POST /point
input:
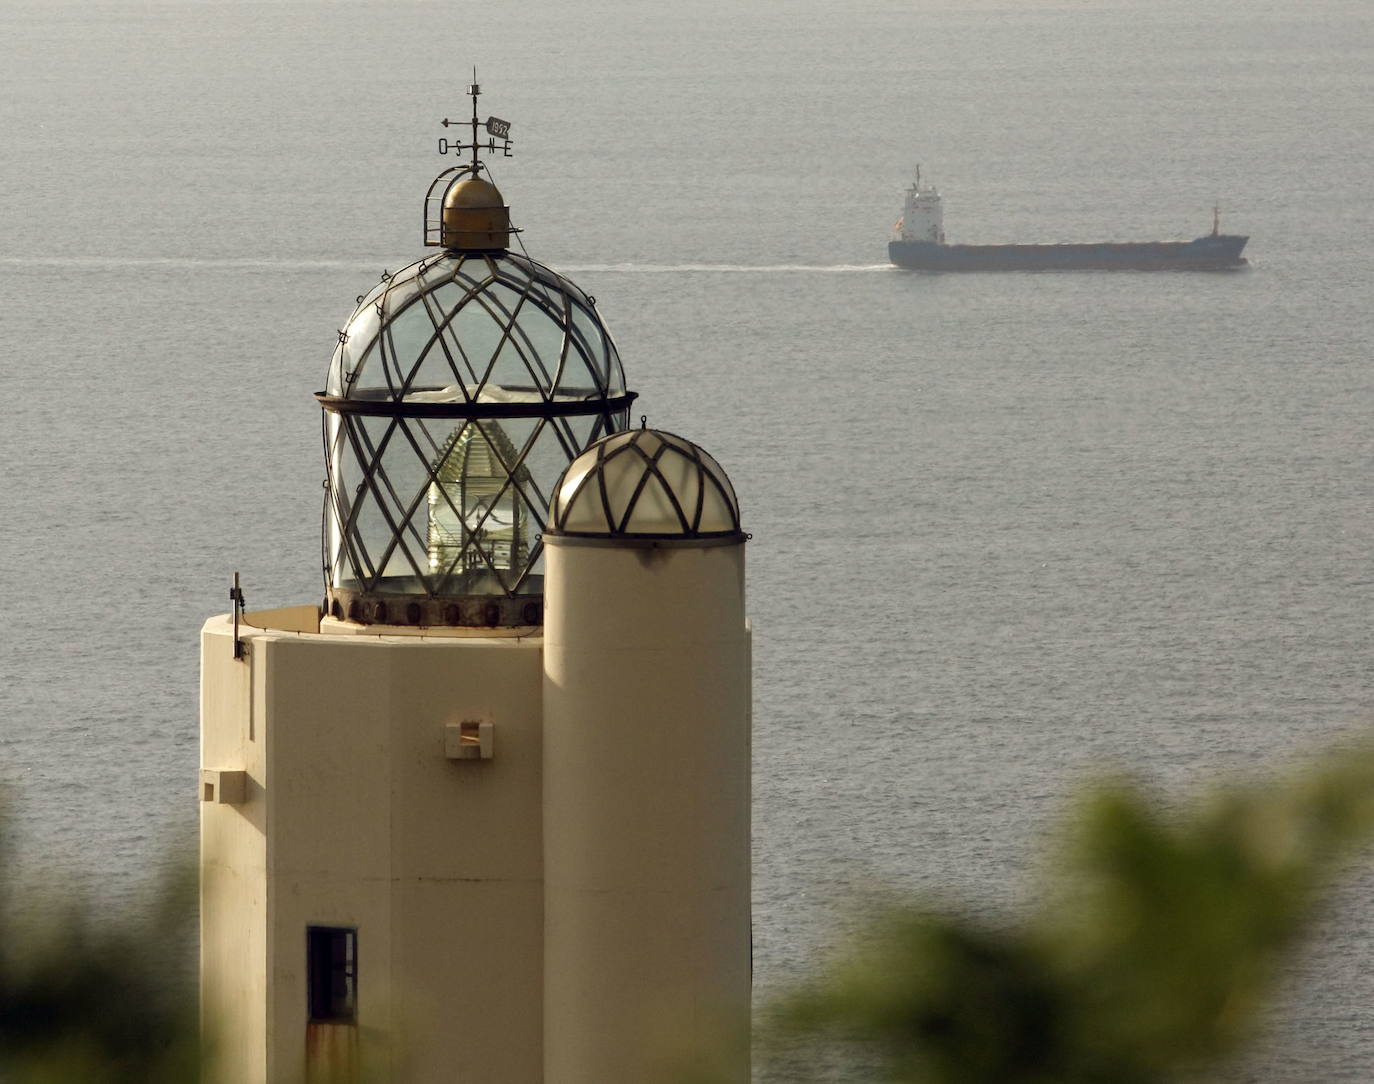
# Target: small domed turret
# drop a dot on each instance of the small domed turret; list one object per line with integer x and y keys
{"x": 644, "y": 483}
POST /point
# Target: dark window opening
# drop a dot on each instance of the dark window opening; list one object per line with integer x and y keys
{"x": 332, "y": 973}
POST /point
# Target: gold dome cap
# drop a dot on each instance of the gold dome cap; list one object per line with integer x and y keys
{"x": 475, "y": 216}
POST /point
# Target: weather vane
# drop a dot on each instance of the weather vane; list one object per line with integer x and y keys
{"x": 498, "y": 132}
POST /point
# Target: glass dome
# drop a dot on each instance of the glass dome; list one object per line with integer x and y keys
{"x": 645, "y": 484}
{"x": 460, "y": 390}
{"x": 475, "y": 328}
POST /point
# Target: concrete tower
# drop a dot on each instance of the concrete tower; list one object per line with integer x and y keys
{"x": 646, "y": 742}
{"x": 446, "y": 837}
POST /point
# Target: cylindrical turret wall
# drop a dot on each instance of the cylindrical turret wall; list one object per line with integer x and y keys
{"x": 646, "y": 810}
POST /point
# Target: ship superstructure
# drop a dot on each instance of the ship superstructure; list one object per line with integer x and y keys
{"x": 923, "y": 216}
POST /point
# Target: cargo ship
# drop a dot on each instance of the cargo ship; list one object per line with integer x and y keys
{"x": 918, "y": 243}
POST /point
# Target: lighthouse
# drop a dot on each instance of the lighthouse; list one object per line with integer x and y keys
{"x": 483, "y": 814}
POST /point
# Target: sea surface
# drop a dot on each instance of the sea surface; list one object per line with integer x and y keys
{"x": 1010, "y": 532}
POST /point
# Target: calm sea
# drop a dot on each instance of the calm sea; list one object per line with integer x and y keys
{"x": 1010, "y": 531}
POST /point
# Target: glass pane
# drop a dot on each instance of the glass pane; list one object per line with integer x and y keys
{"x": 361, "y": 332}
{"x": 406, "y": 338}
{"x": 577, "y": 432}
{"x": 405, "y": 478}
{"x": 333, "y": 384}
{"x": 473, "y": 333}
{"x": 725, "y": 515}
{"x": 401, "y": 290}
{"x": 615, "y": 373}
{"x": 622, "y": 472}
{"x": 505, "y": 301}
{"x": 683, "y": 479}
{"x": 432, "y": 436}
{"x": 373, "y": 295}
{"x": 578, "y": 509}
{"x": 447, "y": 295}
{"x": 532, "y": 583}
{"x": 338, "y": 497}
{"x": 716, "y": 513}
{"x": 589, "y": 346}
{"x": 542, "y": 340}
{"x": 545, "y": 461}
{"x": 379, "y": 516}
{"x": 506, "y": 368}
{"x": 368, "y": 534}
{"x": 435, "y": 272}
{"x": 436, "y": 376}
{"x": 368, "y": 531}
{"x": 653, "y": 511}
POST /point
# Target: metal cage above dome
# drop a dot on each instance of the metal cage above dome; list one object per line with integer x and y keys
{"x": 465, "y": 211}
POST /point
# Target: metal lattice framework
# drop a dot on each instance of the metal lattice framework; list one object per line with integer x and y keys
{"x": 461, "y": 389}
{"x": 645, "y": 484}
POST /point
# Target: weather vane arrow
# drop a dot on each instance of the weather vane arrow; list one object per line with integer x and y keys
{"x": 498, "y": 132}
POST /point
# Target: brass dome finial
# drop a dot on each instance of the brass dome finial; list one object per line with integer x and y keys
{"x": 475, "y": 216}
{"x": 472, "y": 215}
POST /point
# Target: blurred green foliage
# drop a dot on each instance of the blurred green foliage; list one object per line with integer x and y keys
{"x": 1149, "y": 956}
{"x": 97, "y": 999}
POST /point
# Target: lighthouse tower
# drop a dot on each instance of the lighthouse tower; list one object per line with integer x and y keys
{"x": 483, "y": 816}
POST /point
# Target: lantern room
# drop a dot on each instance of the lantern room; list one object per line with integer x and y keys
{"x": 461, "y": 388}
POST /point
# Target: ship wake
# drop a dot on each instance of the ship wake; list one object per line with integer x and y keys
{"x": 724, "y": 268}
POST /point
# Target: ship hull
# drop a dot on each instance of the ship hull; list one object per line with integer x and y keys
{"x": 1209, "y": 253}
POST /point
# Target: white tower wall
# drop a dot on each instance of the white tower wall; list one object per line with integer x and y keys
{"x": 646, "y": 811}
{"x": 353, "y": 816}
{"x": 233, "y": 865}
